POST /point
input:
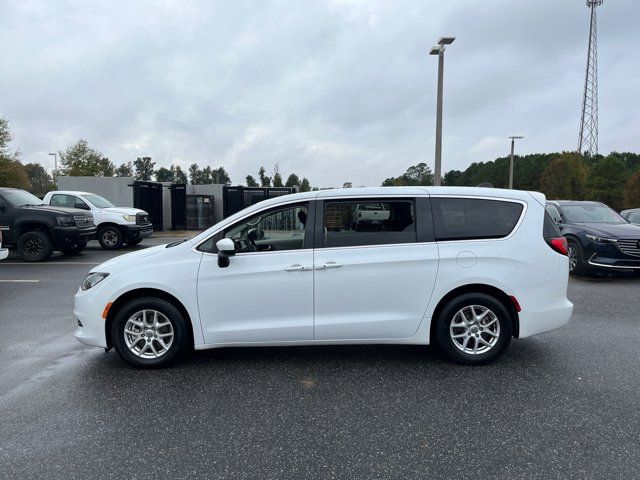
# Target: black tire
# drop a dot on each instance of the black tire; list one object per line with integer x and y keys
{"x": 172, "y": 314}
{"x": 133, "y": 243}
{"x": 449, "y": 315}
{"x": 581, "y": 267}
{"x": 74, "y": 249}
{"x": 110, "y": 238}
{"x": 35, "y": 246}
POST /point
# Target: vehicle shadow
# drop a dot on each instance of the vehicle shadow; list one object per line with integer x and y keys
{"x": 603, "y": 276}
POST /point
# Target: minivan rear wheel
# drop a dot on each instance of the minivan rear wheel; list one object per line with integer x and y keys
{"x": 149, "y": 332}
{"x": 473, "y": 329}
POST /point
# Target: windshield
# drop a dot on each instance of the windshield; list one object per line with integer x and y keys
{"x": 591, "y": 213}
{"x": 20, "y": 198}
{"x": 97, "y": 201}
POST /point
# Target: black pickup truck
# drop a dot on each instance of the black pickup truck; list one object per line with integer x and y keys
{"x": 37, "y": 230}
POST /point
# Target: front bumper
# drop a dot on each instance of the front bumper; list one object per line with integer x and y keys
{"x": 608, "y": 255}
{"x": 87, "y": 309}
{"x": 70, "y": 235}
{"x": 136, "y": 232}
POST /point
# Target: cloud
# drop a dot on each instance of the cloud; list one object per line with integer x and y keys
{"x": 335, "y": 90}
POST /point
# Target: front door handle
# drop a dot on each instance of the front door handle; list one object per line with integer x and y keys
{"x": 296, "y": 268}
{"x": 328, "y": 265}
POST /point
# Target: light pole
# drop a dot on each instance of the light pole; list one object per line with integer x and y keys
{"x": 55, "y": 170}
{"x": 513, "y": 143}
{"x": 439, "y": 50}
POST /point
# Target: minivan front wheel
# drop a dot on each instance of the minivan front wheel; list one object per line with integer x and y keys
{"x": 473, "y": 329}
{"x": 149, "y": 332}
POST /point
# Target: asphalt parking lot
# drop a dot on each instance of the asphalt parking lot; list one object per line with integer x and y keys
{"x": 559, "y": 405}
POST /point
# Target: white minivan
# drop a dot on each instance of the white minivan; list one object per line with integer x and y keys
{"x": 466, "y": 269}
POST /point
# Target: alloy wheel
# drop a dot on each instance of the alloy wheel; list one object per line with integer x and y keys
{"x": 110, "y": 238}
{"x": 474, "y": 329}
{"x": 573, "y": 258}
{"x": 148, "y": 334}
{"x": 34, "y": 247}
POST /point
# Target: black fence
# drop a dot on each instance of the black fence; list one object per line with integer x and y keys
{"x": 178, "y": 206}
{"x": 147, "y": 196}
{"x": 237, "y": 198}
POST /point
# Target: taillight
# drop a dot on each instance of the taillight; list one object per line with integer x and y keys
{"x": 559, "y": 244}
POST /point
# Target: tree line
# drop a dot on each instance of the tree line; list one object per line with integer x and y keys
{"x": 80, "y": 159}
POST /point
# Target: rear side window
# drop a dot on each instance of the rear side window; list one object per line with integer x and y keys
{"x": 549, "y": 228}
{"x": 368, "y": 222}
{"x": 470, "y": 218}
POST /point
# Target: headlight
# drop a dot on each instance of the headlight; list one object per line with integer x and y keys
{"x": 596, "y": 239}
{"x": 66, "y": 221}
{"x": 129, "y": 218}
{"x": 92, "y": 279}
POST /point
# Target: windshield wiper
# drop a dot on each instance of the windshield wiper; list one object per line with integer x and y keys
{"x": 173, "y": 244}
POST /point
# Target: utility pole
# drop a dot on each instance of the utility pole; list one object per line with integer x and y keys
{"x": 55, "y": 170}
{"x": 439, "y": 50}
{"x": 513, "y": 144}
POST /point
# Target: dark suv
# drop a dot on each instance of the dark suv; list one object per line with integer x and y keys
{"x": 598, "y": 237}
{"x": 36, "y": 230}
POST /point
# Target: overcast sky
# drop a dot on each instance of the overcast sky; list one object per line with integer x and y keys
{"x": 334, "y": 90}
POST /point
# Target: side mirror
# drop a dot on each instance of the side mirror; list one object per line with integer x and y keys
{"x": 226, "y": 248}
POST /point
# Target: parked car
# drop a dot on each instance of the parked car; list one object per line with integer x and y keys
{"x": 116, "y": 225}
{"x": 36, "y": 230}
{"x": 4, "y": 252}
{"x": 598, "y": 237}
{"x": 631, "y": 216}
{"x": 465, "y": 269}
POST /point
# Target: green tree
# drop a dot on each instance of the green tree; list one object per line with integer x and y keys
{"x": 80, "y": 159}
{"x": 632, "y": 191}
{"x": 178, "y": 174}
{"x": 251, "y": 182}
{"x": 12, "y": 172}
{"x": 607, "y": 180}
{"x": 164, "y": 175}
{"x": 304, "y": 185}
{"x": 565, "y": 177}
{"x": 264, "y": 180}
{"x": 195, "y": 174}
{"x": 220, "y": 175}
{"x": 292, "y": 181}
{"x": 40, "y": 182}
{"x": 416, "y": 175}
{"x": 124, "y": 170}
{"x": 277, "y": 177}
{"x": 144, "y": 168}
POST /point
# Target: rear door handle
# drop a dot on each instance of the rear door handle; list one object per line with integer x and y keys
{"x": 328, "y": 265}
{"x": 296, "y": 268}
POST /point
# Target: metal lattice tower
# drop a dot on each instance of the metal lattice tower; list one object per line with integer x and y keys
{"x": 589, "y": 118}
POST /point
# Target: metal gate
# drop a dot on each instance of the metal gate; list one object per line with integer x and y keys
{"x": 237, "y": 198}
{"x": 200, "y": 212}
{"x": 147, "y": 196}
{"x": 178, "y": 206}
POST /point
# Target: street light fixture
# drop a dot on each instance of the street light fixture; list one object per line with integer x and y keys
{"x": 55, "y": 170}
{"x": 513, "y": 142}
{"x": 439, "y": 50}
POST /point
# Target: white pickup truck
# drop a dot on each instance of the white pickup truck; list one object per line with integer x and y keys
{"x": 116, "y": 225}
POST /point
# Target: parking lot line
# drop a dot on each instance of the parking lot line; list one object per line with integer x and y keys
{"x": 49, "y": 263}
{"x": 19, "y": 281}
